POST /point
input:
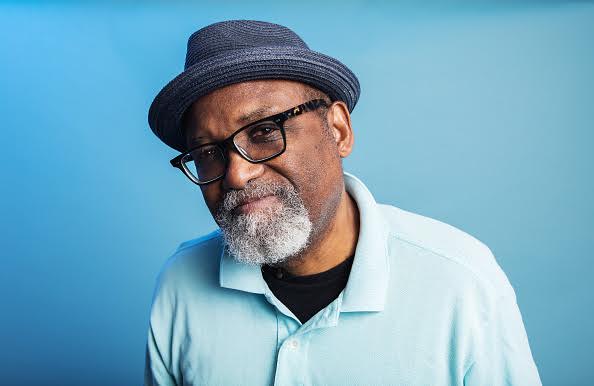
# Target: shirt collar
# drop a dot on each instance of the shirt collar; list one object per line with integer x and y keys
{"x": 368, "y": 280}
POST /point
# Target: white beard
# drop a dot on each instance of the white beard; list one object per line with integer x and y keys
{"x": 269, "y": 236}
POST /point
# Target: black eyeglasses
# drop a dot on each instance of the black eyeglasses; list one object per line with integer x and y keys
{"x": 257, "y": 142}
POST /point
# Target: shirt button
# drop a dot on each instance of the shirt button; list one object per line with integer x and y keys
{"x": 279, "y": 273}
{"x": 293, "y": 344}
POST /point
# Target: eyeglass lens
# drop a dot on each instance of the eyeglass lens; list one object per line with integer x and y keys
{"x": 255, "y": 143}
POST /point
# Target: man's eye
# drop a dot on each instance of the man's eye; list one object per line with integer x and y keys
{"x": 262, "y": 130}
{"x": 266, "y": 132}
{"x": 206, "y": 153}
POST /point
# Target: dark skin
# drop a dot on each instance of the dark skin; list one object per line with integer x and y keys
{"x": 311, "y": 163}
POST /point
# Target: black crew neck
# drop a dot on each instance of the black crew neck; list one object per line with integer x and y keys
{"x": 308, "y": 294}
{"x": 288, "y": 277}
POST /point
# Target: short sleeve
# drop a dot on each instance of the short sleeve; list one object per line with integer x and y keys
{"x": 155, "y": 370}
{"x": 158, "y": 360}
{"x": 503, "y": 356}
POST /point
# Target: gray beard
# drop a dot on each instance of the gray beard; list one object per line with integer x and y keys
{"x": 270, "y": 236}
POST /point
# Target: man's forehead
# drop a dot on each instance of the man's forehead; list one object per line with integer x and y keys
{"x": 245, "y": 97}
{"x": 239, "y": 104}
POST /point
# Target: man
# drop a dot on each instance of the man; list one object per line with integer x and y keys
{"x": 309, "y": 281}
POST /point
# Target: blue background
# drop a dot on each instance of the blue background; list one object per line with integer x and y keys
{"x": 480, "y": 114}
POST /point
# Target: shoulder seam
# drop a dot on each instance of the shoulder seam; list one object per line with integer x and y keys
{"x": 447, "y": 257}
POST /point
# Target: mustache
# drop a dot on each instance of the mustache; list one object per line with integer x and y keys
{"x": 253, "y": 191}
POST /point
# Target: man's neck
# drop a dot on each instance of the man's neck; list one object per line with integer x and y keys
{"x": 337, "y": 244}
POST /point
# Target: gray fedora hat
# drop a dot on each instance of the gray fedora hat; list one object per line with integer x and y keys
{"x": 236, "y": 51}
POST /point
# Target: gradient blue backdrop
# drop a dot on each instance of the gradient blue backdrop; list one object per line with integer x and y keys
{"x": 479, "y": 114}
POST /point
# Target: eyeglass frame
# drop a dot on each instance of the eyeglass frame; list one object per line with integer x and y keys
{"x": 224, "y": 145}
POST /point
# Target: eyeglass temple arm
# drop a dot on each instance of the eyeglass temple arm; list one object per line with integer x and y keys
{"x": 307, "y": 106}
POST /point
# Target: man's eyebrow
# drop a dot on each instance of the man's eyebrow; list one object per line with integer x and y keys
{"x": 244, "y": 119}
{"x": 194, "y": 140}
{"x": 252, "y": 116}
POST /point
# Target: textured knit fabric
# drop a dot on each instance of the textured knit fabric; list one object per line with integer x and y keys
{"x": 306, "y": 295}
{"x": 425, "y": 304}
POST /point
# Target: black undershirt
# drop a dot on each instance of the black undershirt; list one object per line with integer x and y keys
{"x": 306, "y": 295}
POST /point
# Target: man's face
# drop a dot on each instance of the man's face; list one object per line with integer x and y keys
{"x": 269, "y": 211}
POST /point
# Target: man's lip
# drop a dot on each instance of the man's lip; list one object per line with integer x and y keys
{"x": 245, "y": 203}
{"x": 252, "y": 199}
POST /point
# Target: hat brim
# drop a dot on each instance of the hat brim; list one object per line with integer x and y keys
{"x": 310, "y": 67}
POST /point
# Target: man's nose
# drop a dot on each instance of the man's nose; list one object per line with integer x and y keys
{"x": 240, "y": 171}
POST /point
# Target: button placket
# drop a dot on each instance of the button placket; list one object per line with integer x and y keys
{"x": 292, "y": 361}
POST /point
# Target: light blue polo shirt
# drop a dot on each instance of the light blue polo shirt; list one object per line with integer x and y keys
{"x": 425, "y": 304}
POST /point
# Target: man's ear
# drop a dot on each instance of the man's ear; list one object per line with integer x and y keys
{"x": 339, "y": 123}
